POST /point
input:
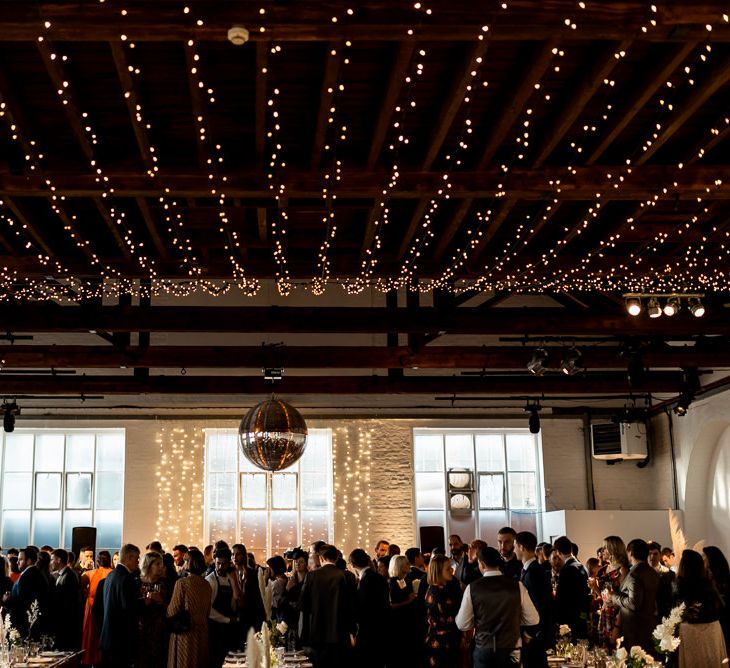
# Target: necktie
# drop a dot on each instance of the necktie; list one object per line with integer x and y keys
{"x": 522, "y": 574}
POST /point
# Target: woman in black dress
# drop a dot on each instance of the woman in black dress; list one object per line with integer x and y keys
{"x": 406, "y": 645}
{"x": 443, "y": 599}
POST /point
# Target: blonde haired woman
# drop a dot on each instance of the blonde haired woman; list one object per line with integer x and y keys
{"x": 609, "y": 620}
{"x": 443, "y": 600}
{"x": 406, "y": 645}
{"x": 153, "y": 637}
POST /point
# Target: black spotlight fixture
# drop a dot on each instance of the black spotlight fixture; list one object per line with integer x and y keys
{"x": 534, "y": 421}
{"x": 686, "y": 396}
{"x": 538, "y": 364}
{"x": 10, "y": 410}
{"x": 682, "y": 406}
{"x": 572, "y": 363}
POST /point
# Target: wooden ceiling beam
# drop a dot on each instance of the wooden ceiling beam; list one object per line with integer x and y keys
{"x": 413, "y": 224}
{"x": 133, "y": 104}
{"x": 111, "y": 225}
{"x": 510, "y": 113}
{"x": 452, "y": 227}
{"x": 261, "y": 223}
{"x": 642, "y": 95}
{"x": 495, "y": 224}
{"x": 198, "y": 109}
{"x": 715, "y": 81}
{"x": 528, "y": 184}
{"x": 398, "y": 73}
{"x": 498, "y": 386}
{"x": 152, "y": 227}
{"x": 333, "y": 63}
{"x": 723, "y": 132}
{"x": 502, "y": 321}
{"x": 564, "y": 119}
{"x": 452, "y": 103}
{"x": 344, "y": 357}
{"x": 262, "y": 76}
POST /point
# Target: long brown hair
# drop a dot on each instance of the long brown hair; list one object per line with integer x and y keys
{"x": 435, "y": 575}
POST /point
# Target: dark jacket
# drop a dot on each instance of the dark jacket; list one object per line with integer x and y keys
{"x": 371, "y": 615}
{"x": 31, "y": 586}
{"x": 252, "y": 613}
{"x": 67, "y": 610}
{"x": 497, "y": 612}
{"x": 120, "y": 630}
{"x": 572, "y": 598}
{"x": 327, "y": 601}
{"x": 637, "y": 599}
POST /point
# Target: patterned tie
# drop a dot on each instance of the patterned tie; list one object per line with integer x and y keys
{"x": 522, "y": 574}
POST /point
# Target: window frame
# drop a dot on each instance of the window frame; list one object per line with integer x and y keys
{"x": 508, "y": 511}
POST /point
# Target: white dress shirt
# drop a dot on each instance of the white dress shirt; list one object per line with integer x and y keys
{"x": 465, "y": 616}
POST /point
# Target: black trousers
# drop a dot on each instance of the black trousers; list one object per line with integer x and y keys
{"x": 331, "y": 655}
{"x": 221, "y": 639}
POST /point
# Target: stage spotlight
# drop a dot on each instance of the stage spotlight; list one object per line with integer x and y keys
{"x": 633, "y": 306}
{"x": 572, "y": 363}
{"x": 538, "y": 364}
{"x": 696, "y": 308}
{"x": 10, "y": 410}
{"x": 653, "y": 308}
{"x": 671, "y": 307}
{"x": 685, "y": 399}
{"x": 534, "y": 421}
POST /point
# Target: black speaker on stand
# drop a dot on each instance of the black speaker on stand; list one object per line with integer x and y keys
{"x": 431, "y": 537}
{"x": 83, "y": 537}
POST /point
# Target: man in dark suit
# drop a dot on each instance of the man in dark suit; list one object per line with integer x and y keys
{"x": 66, "y": 603}
{"x": 328, "y": 603}
{"x": 251, "y": 612}
{"x": 512, "y": 566}
{"x": 371, "y": 612}
{"x": 537, "y": 583}
{"x": 31, "y": 586}
{"x": 119, "y": 632}
{"x": 637, "y": 598}
{"x": 572, "y": 597}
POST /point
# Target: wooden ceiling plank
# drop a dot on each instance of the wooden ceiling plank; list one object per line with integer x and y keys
{"x": 452, "y": 227}
{"x": 570, "y": 112}
{"x": 642, "y": 95}
{"x": 512, "y": 110}
{"x": 333, "y": 63}
{"x": 716, "y": 80}
{"x": 262, "y": 75}
{"x": 198, "y": 111}
{"x": 370, "y": 224}
{"x": 132, "y": 102}
{"x": 106, "y": 216}
{"x": 152, "y": 227}
{"x": 499, "y": 386}
{"x": 452, "y": 103}
{"x": 398, "y": 72}
{"x": 261, "y": 223}
{"x": 413, "y": 223}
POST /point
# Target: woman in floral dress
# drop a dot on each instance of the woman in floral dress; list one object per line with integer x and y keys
{"x": 443, "y": 600}
{"x": 609, "y": 621}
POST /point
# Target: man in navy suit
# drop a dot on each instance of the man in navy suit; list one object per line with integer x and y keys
{"x": 66, "y": 603}
{"x": 31, "y": 586}
{"x": 537, "y": 583}
{"x": 371, "y": 613}
{"x": 572, "y": 595}
{"x": 120, "y": 630}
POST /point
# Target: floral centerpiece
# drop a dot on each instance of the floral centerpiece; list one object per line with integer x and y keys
{"x": 278, "y": 633}
{"x": 635, "y": 657}
{"x": 563, "y": 642}
{"x": 665, "y": 640}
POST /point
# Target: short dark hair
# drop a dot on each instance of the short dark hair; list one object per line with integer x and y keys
{"x": 104, "y": 559}
{"x": 13, "y": 552}
{"x": 328, "y": 553}
{"x": 359, "y": 558}
{"x": 546, "y": 549}
{"x": 61, "y": 555}
{"x": 219, "y": 544}
{"x": 527, "y": 539}
{"x": 490, "y": 557}
{"x": 393, "y": 550}
{"x": 666, "y": 552}
{"x": 180, "y": 548}
{"x": 575, "y": 548}
{"x": 507, "y": 530}
{"x": 639, "y": 549}
{"x": 277, "y": 564}
{"x": 563, "y": 545}
{"x": 222, "y": 553}
{"x": 317, "y": 546}
{"x": 653, "y": 545}
{"x": 196, "y": 562}
{"x": 45, "y": 548}
{"x": 411, "y": 554}
{"x": 86, "y": 548}
{"x": 385, "y": 561}
{"x": 154, "y": 546}
{"x": 31, "y": 553}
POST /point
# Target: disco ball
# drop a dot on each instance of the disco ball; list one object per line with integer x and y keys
{"x": 273, "y": 435}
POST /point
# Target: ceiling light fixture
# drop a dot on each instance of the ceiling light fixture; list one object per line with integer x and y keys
{"x": 538, "y": 364}
{"x": 572, "y": 363}
{"x": 534, "y": 420}
{"x": 696, "y": 308}
{"x": 10, "y": 411}
{"x": 633, "y": 306}
{"x": 653, "y": 308}
{"x": 672, "y": 306}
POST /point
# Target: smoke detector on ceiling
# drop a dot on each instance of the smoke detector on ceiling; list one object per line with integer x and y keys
{"x": 238, "y": 35}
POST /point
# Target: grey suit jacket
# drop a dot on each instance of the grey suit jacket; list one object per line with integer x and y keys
{"x": 637, "y": 600}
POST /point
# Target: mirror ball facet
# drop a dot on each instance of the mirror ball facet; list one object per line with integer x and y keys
{"x": 273, "y": 435}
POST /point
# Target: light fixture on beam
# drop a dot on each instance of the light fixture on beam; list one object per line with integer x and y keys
{"x": 696, "y": 308}
{"x": 672, "y": 306}
{"x": 653, "y": 308}
{"x": 633, "y": 306}
{"x": 635, "y": 303}
{"x": 572, "y": 363}
{"x": 10, "y": 411}
{"x": 538, "y": 364}
{"x": 534, "y": 420}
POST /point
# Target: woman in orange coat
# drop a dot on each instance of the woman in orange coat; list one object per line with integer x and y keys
{"x": 89, "y": 583}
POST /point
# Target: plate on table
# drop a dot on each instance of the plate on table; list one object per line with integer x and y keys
{"x": 38, "y": 660}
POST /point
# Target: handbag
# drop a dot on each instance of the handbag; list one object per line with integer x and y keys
{"x": 180, "y": 622}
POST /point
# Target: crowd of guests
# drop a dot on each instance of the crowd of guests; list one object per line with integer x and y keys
{"x": 476, "y": 605}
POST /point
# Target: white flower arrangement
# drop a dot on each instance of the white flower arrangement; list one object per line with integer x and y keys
{"x": 564, "y": 630}
{"x": 665, "y": 639}
{"x": 635, "y": 657}
{"x": 33, "y": 613}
